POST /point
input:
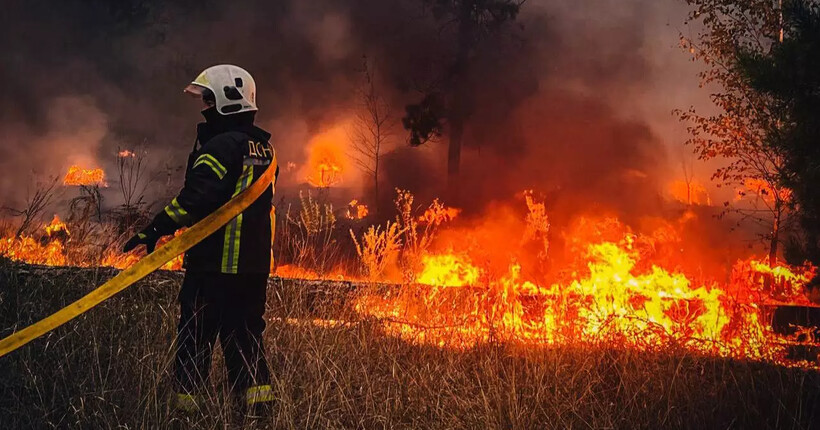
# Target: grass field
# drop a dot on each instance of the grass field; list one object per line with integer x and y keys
{"x": 111, "y": 369}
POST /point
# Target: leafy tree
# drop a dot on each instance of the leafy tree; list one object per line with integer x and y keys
{"x": 739, "y": 132}
{"x": 788, "y": 76}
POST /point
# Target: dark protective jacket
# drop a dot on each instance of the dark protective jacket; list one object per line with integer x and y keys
{"x": 229, "y": 155}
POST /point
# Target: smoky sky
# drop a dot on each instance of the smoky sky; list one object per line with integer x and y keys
{"x": 573, "y": 98}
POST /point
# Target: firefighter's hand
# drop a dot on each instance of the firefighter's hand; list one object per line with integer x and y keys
{"x": 146, "y": 237}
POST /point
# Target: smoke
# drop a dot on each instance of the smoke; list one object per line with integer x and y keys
{"x": 559, "y": 103}
{"x": 71, "y": 132}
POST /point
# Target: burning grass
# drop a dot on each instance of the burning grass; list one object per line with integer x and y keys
{"x": 335, "y": 369}
{"x": 502, "y": 279}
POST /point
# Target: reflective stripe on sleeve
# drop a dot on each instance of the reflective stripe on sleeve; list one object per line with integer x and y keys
{"x": 213, "y": 163}
{"x": 177, "y": 213}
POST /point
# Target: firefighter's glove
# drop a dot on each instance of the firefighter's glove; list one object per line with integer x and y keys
{"x": 147, "y": 237}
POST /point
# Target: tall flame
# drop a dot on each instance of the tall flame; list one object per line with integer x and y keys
{"x": 614, "y": 289}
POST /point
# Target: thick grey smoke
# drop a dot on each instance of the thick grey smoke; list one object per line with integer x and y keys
{"x": 560, "y": 98}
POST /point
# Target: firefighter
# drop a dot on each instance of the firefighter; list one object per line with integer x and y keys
{"x": 224, "y": 290}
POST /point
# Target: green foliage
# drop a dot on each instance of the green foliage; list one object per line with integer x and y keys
{"x": 738, "y": 133}
{"x": 788, "y": 76}
{"x": 424, "y": 120}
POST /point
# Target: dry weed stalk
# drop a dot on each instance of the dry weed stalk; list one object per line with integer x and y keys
{"x": 34, "y": 206}
{"x": 314, "y": 216}
{"x": 419, "y": 230}
{"x": 378, "y": 248}
{"x": 308, "y": 237}
{"x": 404, "y": 241}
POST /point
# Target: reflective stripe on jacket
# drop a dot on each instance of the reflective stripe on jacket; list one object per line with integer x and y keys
{"x": 226, "y": 164}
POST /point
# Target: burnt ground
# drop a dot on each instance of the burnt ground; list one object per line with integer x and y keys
{"x": 110, "y": 368}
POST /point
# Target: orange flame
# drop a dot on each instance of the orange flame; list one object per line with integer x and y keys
{"x": 690, "y": 192}
{"x": 486, "y": 282}
{"x": 56, "y": 226}
{"x": 355, "y": 210}
{"x": 31, "y": 251}
{"x": 448, "y": 270}
{"x": 327, "y": 159}
{"x": 76, "y": 175}
{"x": 438, "y": 213}
{"x": 614, "y": 289}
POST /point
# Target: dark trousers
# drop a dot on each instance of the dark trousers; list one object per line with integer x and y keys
{"x": 229, "y": 307}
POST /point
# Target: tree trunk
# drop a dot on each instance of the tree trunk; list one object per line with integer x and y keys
{"x": 454, "y": 159}
{"x": 376, "y": 199}
{"x": 459, "y": 104}
{"x": 775, "y": 238}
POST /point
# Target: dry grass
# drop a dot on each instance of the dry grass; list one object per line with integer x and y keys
{"x": 110, "y": 369}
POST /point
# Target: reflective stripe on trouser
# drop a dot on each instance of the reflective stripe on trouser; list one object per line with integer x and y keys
{"x": 259, "y": 394}
{"x": 233, "y": 230}
{"x": 186, "y": 402}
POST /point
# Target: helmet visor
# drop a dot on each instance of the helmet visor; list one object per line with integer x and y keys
{"x": 201, "y": 93}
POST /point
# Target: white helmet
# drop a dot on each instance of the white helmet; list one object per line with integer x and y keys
{"x": 233, "y": 88}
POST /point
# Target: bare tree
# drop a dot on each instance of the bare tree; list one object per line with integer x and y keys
{"x": 694, "y": 192}
{"x": 35, "y": 203}
{"x": 371, "y": 129}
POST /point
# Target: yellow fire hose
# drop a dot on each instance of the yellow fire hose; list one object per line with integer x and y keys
{"x": 145, "y": 266}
